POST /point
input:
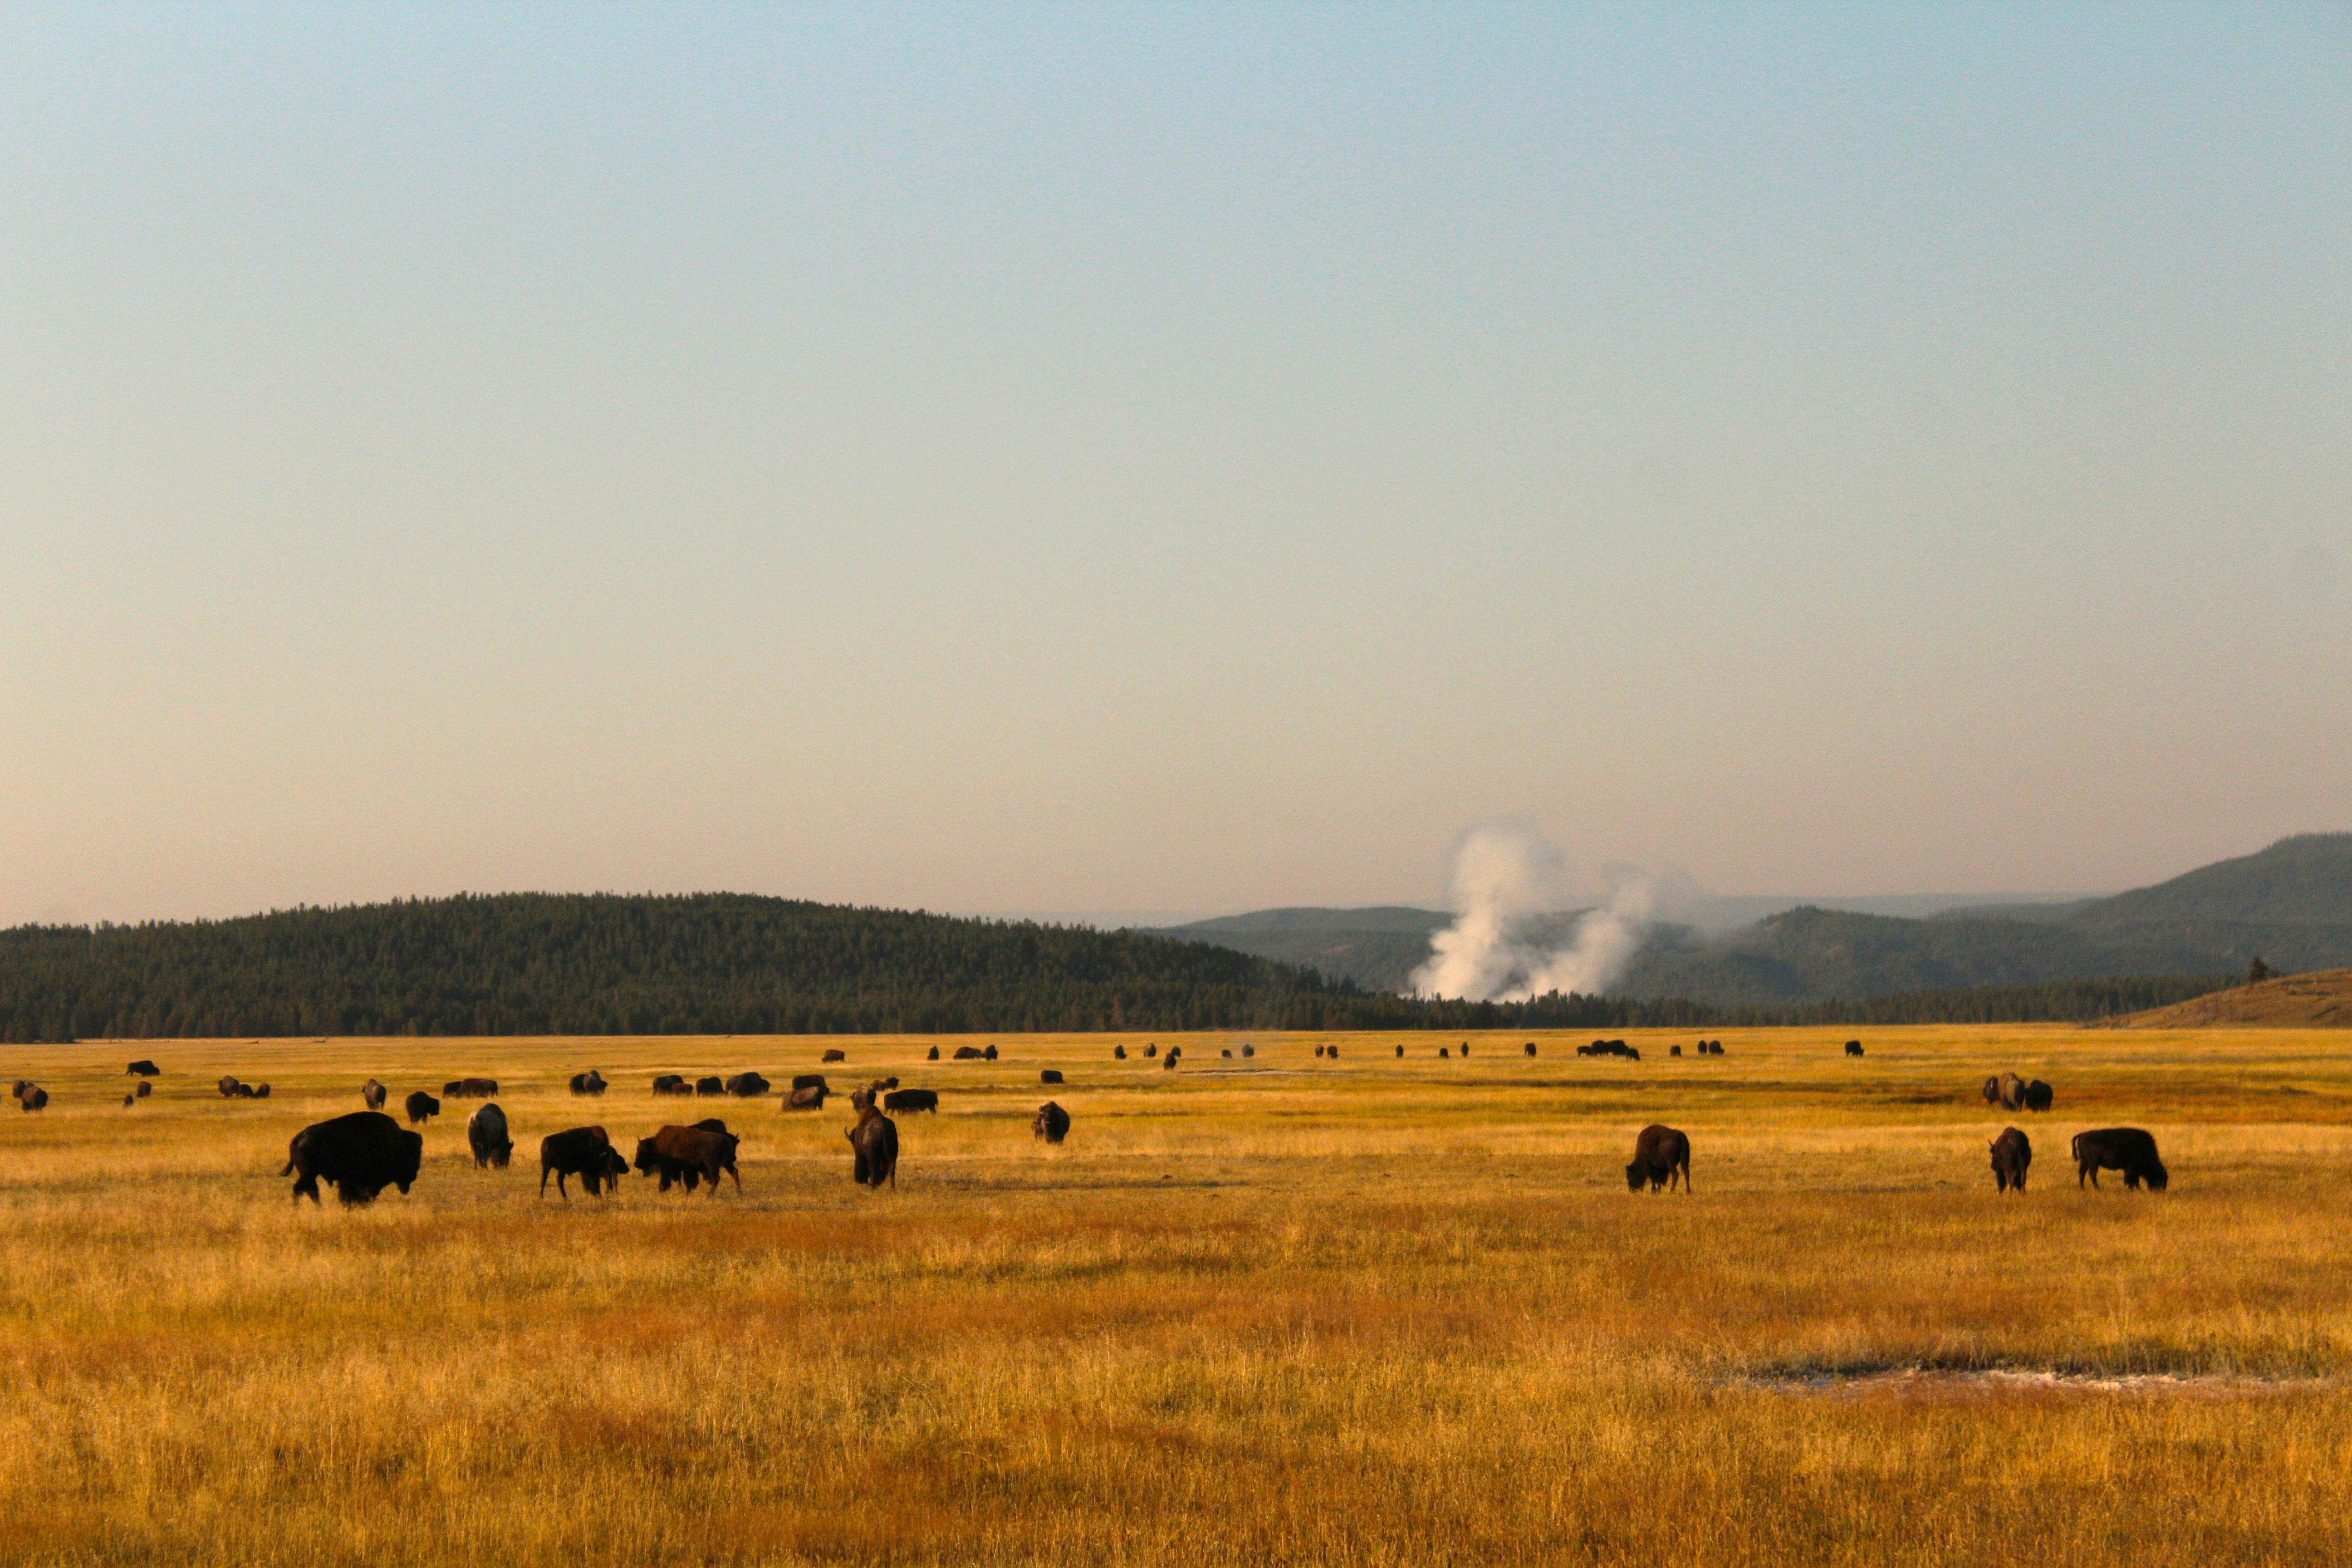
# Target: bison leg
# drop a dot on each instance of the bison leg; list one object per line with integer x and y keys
{"x": 1685, "y": 1170}
{"x": 857, "y": 1168}
{"x": 307, "y": 1186}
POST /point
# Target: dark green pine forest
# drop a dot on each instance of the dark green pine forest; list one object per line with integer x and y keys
{"x": 734, "y": 963}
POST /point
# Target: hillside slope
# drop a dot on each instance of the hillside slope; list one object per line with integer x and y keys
{"x": 2322, "y": 1000}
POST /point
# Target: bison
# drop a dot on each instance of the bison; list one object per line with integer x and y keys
{"x": 485, "y": 1135}
{"x": 1051, "y": 1074}
{"x": 471, "y": 1089}
{"x": 1119, "y": 1053}
{"x": 422, "y": 1106}
{"x": 1992, "y": 1090}
{"x": 591, "y": 1082}
{"x": 1248, "y": 1049}
{"x": 2124, "y": 1149}
{"x": 990, "y": 1053}
{"x": 1853, "y": 1047}
{"x": 2012, "y": 1092}
{"x": 1674, "y": 1051}
{"x": 934, "y": 1056}
{"x": 142, "y": 1068}
{"x": 32, "y": 1097}
{"x": 747, "y": 1086}
{"x": 1531, "y": 1047}
{"x": 2037, "y": 1096}
{"x": 2012, "y": 1153}
{"x": 809, "y": 1099}
{"x": 672, "y": 1083}
{"x": 967, "y": 1052}
{"x": 1400, "y": 1051}
{"x": 912, "y": 1100}
{"x": 684, "y": 1153}
{"x": 359, "y": 1154}
{"x": 260, "y": 1091}
{"x": 835, "y": 1055}
{"x": 1227, "y": 1053}
{"x": 582, "y": 1151}
{"x": 711, "y": 1087}
{"x": 1661, "y": 1154}
{"x": 146, "y": 1089}
{"x": 373, "y": 1094}
{"x": 1443, "y": 1054}
{"x": 1052, "y": 1123}
{"x": 873, "y": 1148}
{"x": 229, "y": 1086}
{"x": 1167, "y": 1062}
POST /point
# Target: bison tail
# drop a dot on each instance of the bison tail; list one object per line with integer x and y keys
{"x": 289, "y": 1166}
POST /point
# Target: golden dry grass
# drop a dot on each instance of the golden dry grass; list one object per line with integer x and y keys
{"x": 1275, "y": 1311}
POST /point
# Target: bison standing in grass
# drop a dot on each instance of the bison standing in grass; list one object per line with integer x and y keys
{"x": 687, "y": 1153}
{"x": 2012, "y": 1156}
{"x": 873, "y": 1148}
{"x": 486, "y": 1134}
{"x": 360, "y": 1155}
{"x": 1660, "y": 1157}
{"x": 373, "y": 1094}
{"x": 582, "y": 1151}
{"x": 912, "y": 1100}
{"x": 2126, "y": 1148}
{"x": 2038, "y": 1095}
{"x": 1052, "y": 1123}
{"x": 591, "y": 1082}
{"x": 142, "y": 1068}
{"x": 422, "y": 1106}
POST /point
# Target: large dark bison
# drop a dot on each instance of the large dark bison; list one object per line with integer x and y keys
{"x": 1531, "y": 1047}
{"x": 2037, "y": 1096}
{"x": 360, "y": 1154}
{"x": 1052, "y": 1123}
{"x": 967, "y": 1052}
{"x": 912, "y": 1100}
{"x": 835, "y": 1055}
{"x": 229, "y": 1086}
{"x": 142, "y": 1068}
{"x": 471, "y": 1089}
{"x": 1152, "y": 1050}
{"x": 32, "y": 1097}
{"x": 259, "y": 1091}
{"x": 1992, "y": 1090}
{"x": 747, "y": 1086}
{"x": 2012, "y": 1153}
{"x": 1051, "y": 1074}
{"x": 688, "y": 1153}
{"x": 809, "y": 1080}
{"x": 711, "y": 1087}
{"x": 1853, "y": 1047}
{"x": 672, "y": 1083}
{"x": 145, "y": 1089}
{"x": 582, "y": 1151}
{"x": 487, "y": 1136}
{"x": 1248, "y": 1049}
{"x": 588, "y": 1083}
{"x": 809, "y": 1099}
{"x": 1119, "y": 1053}
{"x": 989, "y": 1052}
{"x": 422, "y": 1106}
{"x": 934, "y": 1055}
{"x": 373, "y": 1094}
{"x": 874, "y": 1145}
{"x": 2124, "y": 1149}
{"x": 1661, "y": 1155}
{"x": 2012, "y": 1092}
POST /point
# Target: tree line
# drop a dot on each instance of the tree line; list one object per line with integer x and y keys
{"x": 526, "y": 964}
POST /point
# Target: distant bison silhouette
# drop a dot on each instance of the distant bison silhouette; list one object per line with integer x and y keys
{"x": 835, "y": 1055}
{"x": 2012, "y": 1092}
{"x": 1443, "y": 1054}
{"x": 1400, "y": 1051}
{"x": 711, "y": 1087}
{"x": 990, "y": 1053}
{"x": 912, "y": 1100}
{"x": 934, "y": 1056}
{"x": 1319, "y": 1050}
{"x": 1248, "y": 1050}
{"x": 1167, "y": 1062}
{"x": 689, "y": 1154}
{"x": 373, "y": 1094}
{"x": 1333, "y": 1052}
{"x": 359, "y": 1155}
{"x": 1661, "y": 1155}
{"x": 485, "y": 1135}
{"x": 2124, "y": 1149}
{"x": 1050, "y": 1075}
{"x": 469, "y": 1089}
{"x": 582, "y": 1151}
{"x": 1150, "y": 1051}
{"x": 146, "y": 1089}
{"x": 588, "y": 1083}
{"x": 2037, "y": 1096}
{"x": 809, "y": 1080}
{"x": 32, "y": 1097}
{"x": 1466, "y": 1048}
{"x": 1119, "y": 1053}
{"x": 1227, "y": 1053}
{"x": 142, "y": 1068}
{"x": 1671, "y": 1051}
{"x": 747, "y": 1086}
{"x": 874, "y": 1150}
{"x": 1531, "y": 1047}
{"x": 229, "y": 1086}
{"x": 967, "y": 1052}
{"x": 1853, "y": 1047}
{"x": 422, "y": 1106}
{"x": 2012, "y": 1153}
{"x": 672, "y": 1083}
{"x": 1052, "y": 1123}
{"x": 885, "y": 1083}
{"x": 1992, "y": 1090}
{"x": 809, "y": 1099}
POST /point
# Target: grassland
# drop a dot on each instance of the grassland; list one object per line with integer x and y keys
{"x": 1281, "y": 1310}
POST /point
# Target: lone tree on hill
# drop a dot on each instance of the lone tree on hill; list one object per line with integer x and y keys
{"x": 2257, "y": 972}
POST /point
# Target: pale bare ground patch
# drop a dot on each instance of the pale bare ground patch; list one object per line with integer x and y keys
{"x": 1364, "y": 1311}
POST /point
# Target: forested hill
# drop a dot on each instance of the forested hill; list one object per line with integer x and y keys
{"x": 602, "y": 963}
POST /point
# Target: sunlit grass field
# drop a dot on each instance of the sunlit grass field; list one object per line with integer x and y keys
{"x": 1265, "y": 1310}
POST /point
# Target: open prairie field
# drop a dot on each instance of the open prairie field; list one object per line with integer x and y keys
{"x": 1274, "y": 1310}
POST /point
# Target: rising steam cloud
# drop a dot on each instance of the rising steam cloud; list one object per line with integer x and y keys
{"x": 1498, "y": 950}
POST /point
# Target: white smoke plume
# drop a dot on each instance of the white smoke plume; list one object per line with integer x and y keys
{"x": 1498, "y": 950}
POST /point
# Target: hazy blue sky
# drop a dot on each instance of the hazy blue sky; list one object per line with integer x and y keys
{"x": 1168, "y": 457}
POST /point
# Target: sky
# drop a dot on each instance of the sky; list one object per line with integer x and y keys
{"x": 1172, "y": 458}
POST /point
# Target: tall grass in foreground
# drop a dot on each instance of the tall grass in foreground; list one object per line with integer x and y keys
{"x": 1361, "y": 1312}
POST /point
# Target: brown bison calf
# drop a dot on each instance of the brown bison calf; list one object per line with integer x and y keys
{"x": 1661, "y": 1156}
{"x": 2012, "y": 1154}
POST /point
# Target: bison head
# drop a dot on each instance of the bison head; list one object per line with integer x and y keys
{"x": 648, "y": 1159}
{"x": 407, "y": 1158}
{"x": 2155, "y": 1176}
{"x": 1637, "y": 1176}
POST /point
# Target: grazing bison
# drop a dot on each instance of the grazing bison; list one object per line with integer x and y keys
{"x": 1466, "y": 1048}
{"x": 684, "y": 1153}
{"x": 1531, "y": 1047}
{"x": 934, "y": 1056}
{"x": 711, "y": 1087}
{"x": 672, "y": 1083}
{"x": 261, "y": 1092}
{"x": 1119, "y": 1053}
{"x": 1227, "y": 1053}
{"x": 809, "y": 1080}
{"x": 912, "y": 1100}
{"x": 1674, "y": 1051}
{"x": 32, "y": 1097}
{"x": 1443, "y": 1054}
{"x": 1151, "y": 1051}
{"x": 582, "y": 1151}
{"x": 2012, "y": 1153}
{"x": 146, "y": 1089}
{"x": 591, "y": 1082}
{"x": 142, "y": 1068}
{"x": 1050, "y": 1075}
{"x": 471, "y": 1089}
{"x": 835, "y": 1055}
{"x": 2124, "y": 1149}
{"x": 873, "y": 1148}
{"x": 967, "y": 1052}
{"x": 373, "y": 1094}
{"x": 485, "y": 1135}
{"x": 1853, "y": 1047}
{"x": 1052, "y": 1123}
{"x": 2012, "y": 1092}
{"x": 1167, "y": 1062}
{"x": 422, "y": 1106}
{"x": 809, "y": 1099}
{"x": 1661, "y": 1154}
{"x": 1333, "y": 1053}
{"x": 2037, "y": 1096}
{"x": 360, "y": 1155}
{"x": 747, "y": 1086}
{"x": 229, "y": 1086}
{"x": 1319, "y": 1050}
